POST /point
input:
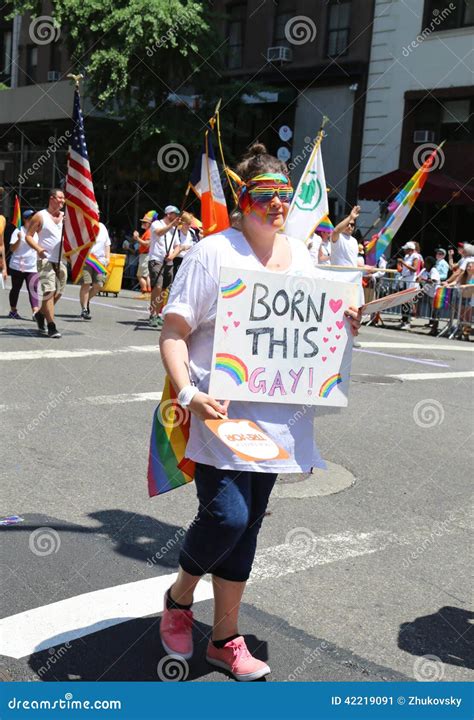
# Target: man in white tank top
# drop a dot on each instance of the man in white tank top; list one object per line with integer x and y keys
{"x": 48, "y": 224}
{"x": 345, "y": 248}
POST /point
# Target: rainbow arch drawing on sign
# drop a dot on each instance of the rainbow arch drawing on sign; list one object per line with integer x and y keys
{"x": 233, "y": 366}
{"x": 233, "y": 289}
{"x": 329, "y": 385}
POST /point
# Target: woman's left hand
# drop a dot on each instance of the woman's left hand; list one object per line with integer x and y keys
{"x": 354, "y": 315}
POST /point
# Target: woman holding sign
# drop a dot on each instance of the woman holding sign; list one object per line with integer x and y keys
{"x": 233, "y": 493}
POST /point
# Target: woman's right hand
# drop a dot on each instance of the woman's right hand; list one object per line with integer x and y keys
{"x": 206, "y": 407}
{"x": 41, "y": 253}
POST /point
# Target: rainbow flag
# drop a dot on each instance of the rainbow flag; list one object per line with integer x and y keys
{"x": 442, "y": 298}
{"x": 167, "y": 466}
{"x": 324, "y": 225}
{"x": 95, "y": 264}
{"x": 16, "y": 219}
{"x": 399, "y": 209}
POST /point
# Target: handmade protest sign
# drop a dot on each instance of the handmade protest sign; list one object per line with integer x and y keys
{"x": 281, "y": 339}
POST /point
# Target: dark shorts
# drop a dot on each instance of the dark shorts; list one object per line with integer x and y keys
{"x": 158, "y": 276}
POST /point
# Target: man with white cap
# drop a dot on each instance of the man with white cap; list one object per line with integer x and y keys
{"x": 143, "y": 240}
{"x": 441, "y": 265}
{"x": 163, "y": 239}
{"x": 409, "y": 272}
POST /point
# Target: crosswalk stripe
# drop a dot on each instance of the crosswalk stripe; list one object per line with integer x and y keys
{"x": 434, "y": 376}
{"x": 17, "y": 355}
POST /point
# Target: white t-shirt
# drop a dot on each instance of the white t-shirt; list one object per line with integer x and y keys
{"x": 24, "y": 258}
{"x": 193, "y": 296}
{"x": 463, "y": 263}
{"x": 161, "y": 246}
{"x": 433, "y": 275}
{"x": 184, "y": 239}
{"x": 409, "y": 276}
{"x": 325, "y": 250}
{"x": 49, "y": 237}
{"x": 102, "y": 241}
{"x": 313, "y": 248}
{"x": 345, "y": 250}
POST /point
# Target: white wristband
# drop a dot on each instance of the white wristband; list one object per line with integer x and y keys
{"x": 186, "y": 395}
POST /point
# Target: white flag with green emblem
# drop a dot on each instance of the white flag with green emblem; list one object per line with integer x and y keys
{"x": 310, "y": 201}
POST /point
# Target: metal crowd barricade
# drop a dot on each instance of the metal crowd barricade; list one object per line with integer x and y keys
{"x": 460, "y": 315}
{"x": 421, "y": 307}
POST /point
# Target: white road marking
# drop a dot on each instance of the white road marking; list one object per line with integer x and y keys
{"x": 119, "y": 399}
{"x": 417, "y": 346}
{"x": 434, "y": 376}
{"x": 16, "y": 355}
{"x": 64, "y": 621}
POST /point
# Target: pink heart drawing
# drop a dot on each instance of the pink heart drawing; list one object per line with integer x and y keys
{"x": 340, "y": 324}
{"x": 225, "y": 328}
{"x": 329, "y": 328}
{"x": 325, "y": 339}
{"x": 324, "y": 358}
{"x": 229, "y": 313}
{"x": 337, "y": 337}
{"x": 335, "y": 305}
{"x": 333, "y": 349}
{"x": 236, "y": 323}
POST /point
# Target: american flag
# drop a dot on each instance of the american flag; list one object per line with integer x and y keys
{"x": 81, "y": 221}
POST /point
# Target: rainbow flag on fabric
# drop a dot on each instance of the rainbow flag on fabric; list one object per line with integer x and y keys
{"x": 168, "y": 468}
{"x": 399, "y": 209}
{"x": 95, "y": 264}
{"x": 442, "y": 298}
{"x": 16, "y": 219}
{"x": 325, "y": 225}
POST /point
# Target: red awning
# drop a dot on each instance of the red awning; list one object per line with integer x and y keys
{"x": 439, "y": 188}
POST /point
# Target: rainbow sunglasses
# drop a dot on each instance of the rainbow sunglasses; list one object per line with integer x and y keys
{"x": 263, "y": 188}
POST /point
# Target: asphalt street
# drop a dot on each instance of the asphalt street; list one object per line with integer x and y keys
{"x": 362, "y": 571}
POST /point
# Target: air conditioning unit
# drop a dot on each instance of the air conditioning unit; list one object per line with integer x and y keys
{"x": 53, "y": 75}
{"x": 279, "y": 54}
{"x": 423, "y": 136}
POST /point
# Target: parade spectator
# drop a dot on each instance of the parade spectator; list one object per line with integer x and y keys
{"x": 345, "y": 248}
{"x": 313, "y": 245}
{"x": 431, "y": 281}
{"x": 48, "y": 225}
{"x": 160, "y": 266}
{"x": 409, "y": 271}
{"x": 466, "y": 278}
{"x": 3, "y": 252}
{"x": 92, "y": 278}
{"x": 418, "y": 257}
{"x": 233, "y": 494}
{"x": 467, "y": 256}
{"x": 143, "y": 240}
{"x": 23, "y": 261}
{"x": 185, "y": 239}
{"x": 441, "y": 264}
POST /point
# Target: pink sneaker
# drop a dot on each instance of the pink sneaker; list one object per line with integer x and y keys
{"x": 176, "y": 632}
{"x": 235, "y": 658}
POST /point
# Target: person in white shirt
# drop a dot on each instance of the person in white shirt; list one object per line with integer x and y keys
{"x": 92, "y": 278}
{"x": 467, "y": 256}
{"x": 48, "y": 225}
{"x": 431, "y": 281}
{"x": 409, "y": 272}
{"x": 233, "y": 493}
{"x": 345, "y": 248}
{"x": 23, "y": 267}
{"x": 163, "y": 240}
{"x": 186, "y": 238}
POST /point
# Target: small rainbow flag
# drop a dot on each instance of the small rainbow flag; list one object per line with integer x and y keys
{"x": 16, "y": 219}
{"x": 95, "y": 264}
{"x": 235, "y": 288}
{"x": 325, "y": 225}
{"x": 233, "y": 366}
{"x": 442, "y": 298}
{"x": 329, "y": 385}
{"x": 168, "y": 468}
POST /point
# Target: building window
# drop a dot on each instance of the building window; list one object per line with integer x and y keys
{"x": 31, "y": 64}
{"x": 235, "y": 33}
{"x": 339, "y": 17}
{"x": 6, "y": 52}
{"x": 443, "y": 15}
{"x": 457, "y": 120}
{"x": 285, "y": 10}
